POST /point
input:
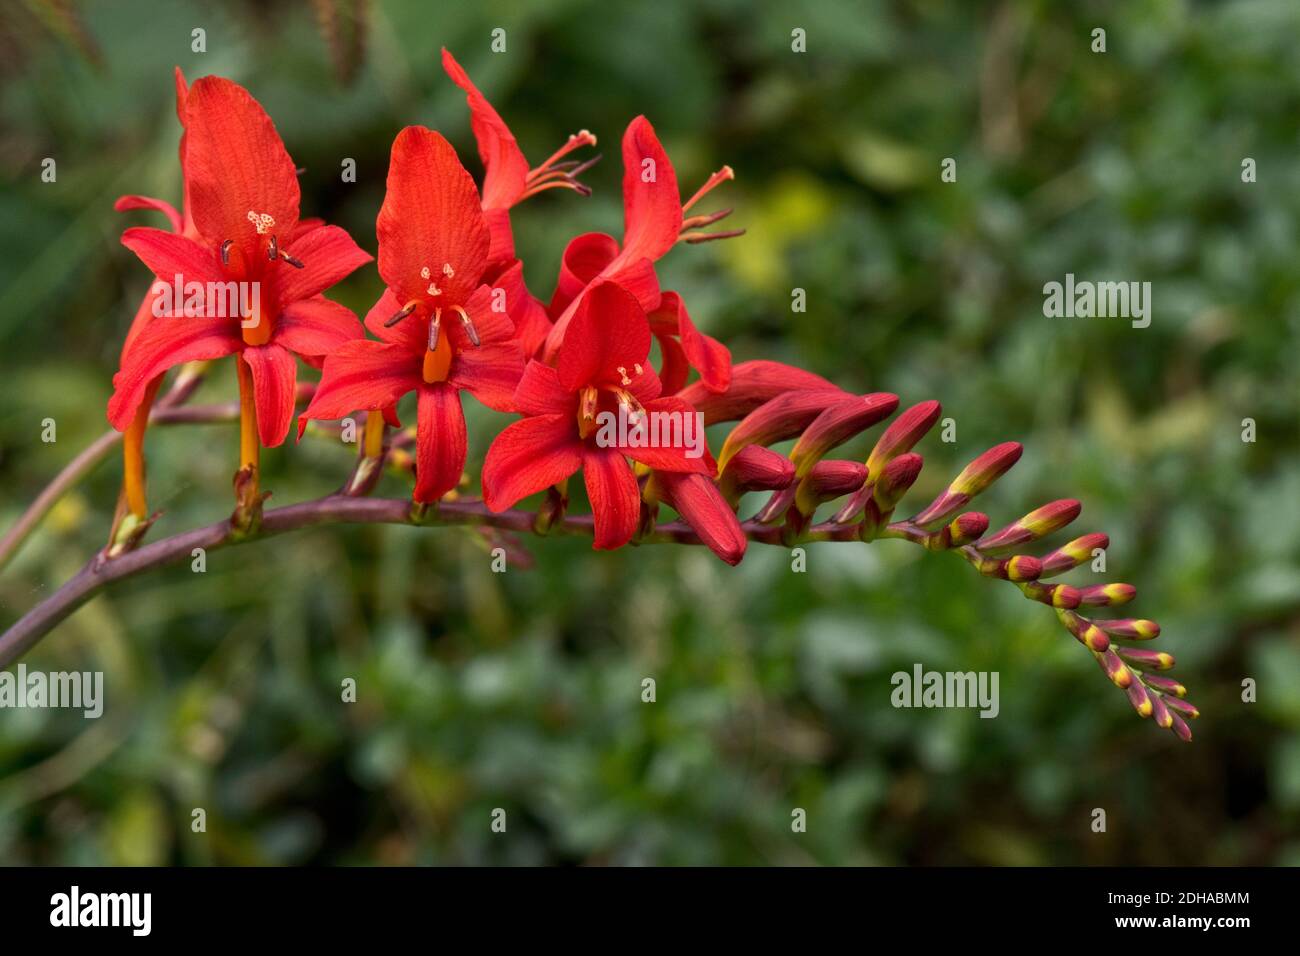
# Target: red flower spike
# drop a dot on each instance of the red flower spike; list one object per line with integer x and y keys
{"x": 602, "y": 367}
{"x": 244, "y": 203}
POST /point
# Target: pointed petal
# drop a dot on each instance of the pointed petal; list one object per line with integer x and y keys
{"x": 506, "y": 169}
{"x": 236, "y": 163}
{"x": 275, "y": 374}
{"x": 776, "y": 420}
{"x": 652, "y": 205}
{"x": 702, "y": 506}
{"x": 328, "y": 254}
{"x": 529, "y": 455}
{"x": 162, "y": 344}
{"x": 441, "y": 443}
{"x": 316, "y": 326}
{"x": 490, "y": 373}
{"x": 168, "y": 255}
{"x": 501, "y": 235}
{"x": 361, "y": 375}
{"x": 146, "y": 202}
{"x": 707, "y": 355}
{"x": 615, "y": 496}
{"x": 430, "y": 220}
{"x": 526, "y": 313}
{"x": 609, "y": 331}
{"x": 540, "y": 393}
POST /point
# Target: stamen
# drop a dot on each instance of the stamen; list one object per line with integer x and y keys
{"x": 225, "y": 251}
{"x": 577, "y": 140}
{"x": 629, "y": 401}
{"x": 435, "y": 327}
{"x": 271, "y": 249}
{"x": 291, "y": 260}
{"x": 588, "y": 399}
{"x": 406, "y": 310}
{"x": 469, "y": 326}
{"x": 722, "y": 175}
{"x": 697, "y": 237}
{"x": 694, "y": 222}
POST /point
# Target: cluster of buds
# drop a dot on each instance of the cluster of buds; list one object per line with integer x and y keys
{"x": 773, "y": 403}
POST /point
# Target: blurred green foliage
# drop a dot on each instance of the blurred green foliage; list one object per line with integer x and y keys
{"x": 522, "y": 690}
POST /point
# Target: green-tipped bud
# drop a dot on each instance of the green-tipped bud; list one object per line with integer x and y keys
{"x": 1183, "y": 707}
{"x": 1037, "y": 524}
{"x": 904, "y": 432}
{"x": 1071, "y": 555}
{"x": 1131, "y": 628}
{"x": 837, "y": 424}
{"x": 1087, "y": 633}
{"x": 1158, "y": 660}
{"x": 1166, "y": 685}
{"x": 974, "y": 478}
{"x": 1107, "y": 595}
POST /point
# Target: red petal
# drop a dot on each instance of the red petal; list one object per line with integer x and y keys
{"x": 316, "y": 326}
{"x": 652, "y": 210}
{"x": 530, "y": 455}
{"x": 609, "y": 331}
{"x": 780, "y": 418}
{"x": 540, "y": 393}
{"x": 679, "y": 449}
{"x": 707, "y": 355}
{"x": 583, "y": 260}
{"x": 615, "y": 496}
{"x": 143, "y": 316}
{"x": 327, "y": 254}
{"x": 275, "y": 375}
{"x": 361, "y": 375}
{"x": 440, "y": 440}
{"x": 752, "y": 384}
{"x": 637, "y": 278}
{"x": 236, "y": 163}
{"x": 430, "y": 219}
{"x": 526, "y": 313}
{"x": 490, "y": 373}
{"x": 164, "y": 343}
{"x": 674, "y": 368}
{"x": 501, "y": 236}
{"x": 505, "y": 165}
{"x": 169, "y": 255}
{"x": 145, "y": 202}
{"x": 702, "y": 506}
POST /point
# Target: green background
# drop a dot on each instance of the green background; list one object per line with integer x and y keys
{"x": 523, "y": 690}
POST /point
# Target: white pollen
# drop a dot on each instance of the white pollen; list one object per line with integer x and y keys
{"x": 447, "y": 270}
{"x": 424, "y": 273}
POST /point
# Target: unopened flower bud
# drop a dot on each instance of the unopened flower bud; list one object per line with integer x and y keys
{"x": 1037, "y": 524}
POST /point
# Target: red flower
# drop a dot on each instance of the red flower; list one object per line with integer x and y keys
{"x": 507, "y": 180}
{"x": 248, "y": 241}
{"x": 603, "y": 365}
{"x": 440, "y": 330}
{"x": 654, "y": 222}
